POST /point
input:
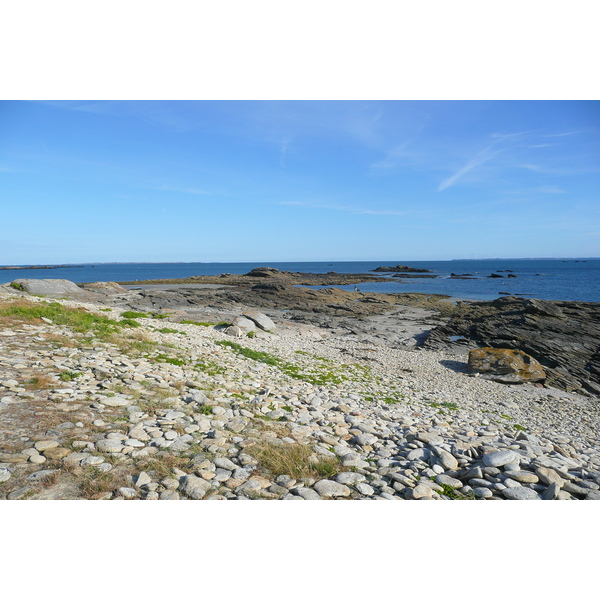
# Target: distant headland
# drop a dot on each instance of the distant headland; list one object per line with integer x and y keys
{"x": 24, "y": 268}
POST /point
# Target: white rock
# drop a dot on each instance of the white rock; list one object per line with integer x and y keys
{"x": 331, "y": 489}
{"x": 112, "y": 446}
{"x": 497, "y": 459}
{"x": 194, "y": 487}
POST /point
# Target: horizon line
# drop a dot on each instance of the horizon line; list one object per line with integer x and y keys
{"x": 182, "y": 262}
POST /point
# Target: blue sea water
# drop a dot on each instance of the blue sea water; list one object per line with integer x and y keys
{"x": 548, "y": 279}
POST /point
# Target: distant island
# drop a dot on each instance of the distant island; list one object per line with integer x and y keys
{"x": 400, "y": 269}
{"x": 13, "y": 268}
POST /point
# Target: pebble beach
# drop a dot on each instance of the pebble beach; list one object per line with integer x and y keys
{"x": 204, "y": 415}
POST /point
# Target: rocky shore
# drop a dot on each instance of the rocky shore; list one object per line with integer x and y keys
{"x": 174, "y": 394}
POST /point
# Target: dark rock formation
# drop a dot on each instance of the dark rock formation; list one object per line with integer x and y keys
{"x": 272, "y": 286}
{"x": 400, "y": 269}
{"x": 563, "y": 336}
{"x": 264, "y": 272}
{"x": 414, "y": 275}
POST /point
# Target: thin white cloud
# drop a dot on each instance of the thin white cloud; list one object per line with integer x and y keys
{"x": 357, "y": 210}
{"x": 484, "y": 156}
{"x": 283, "y": 149}
{"x": 548, "y": 189}
{"x": 393, "y": 156}
{"x": 553, "y": 135}
{"x": 168, "y": 188}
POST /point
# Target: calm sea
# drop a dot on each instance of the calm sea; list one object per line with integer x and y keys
{"x": 551, "y": 279}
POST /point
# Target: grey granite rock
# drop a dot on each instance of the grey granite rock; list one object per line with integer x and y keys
{"x": 497, "y": 459}
{"x": 521, "y": 493}
{"x": 194, "y": 487}
{"x": 331, "y": 489}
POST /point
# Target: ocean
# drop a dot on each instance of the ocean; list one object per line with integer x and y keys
{"x": 547, "y": 279}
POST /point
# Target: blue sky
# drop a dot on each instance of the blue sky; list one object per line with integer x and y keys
{"x": 208, "y": 181}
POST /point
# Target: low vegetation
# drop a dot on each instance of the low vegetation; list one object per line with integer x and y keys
{"x": 296, "y": 460}
{"x": 77, "y": 319}
{"x": 130, "y": 314}
{"x": 320, "y": 374}
{"x": 39, "y": 381}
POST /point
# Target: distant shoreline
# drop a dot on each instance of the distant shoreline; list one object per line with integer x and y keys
{"x": 41, "y": 267}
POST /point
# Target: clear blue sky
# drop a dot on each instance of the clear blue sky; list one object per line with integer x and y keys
{"x": 278, "y": 181}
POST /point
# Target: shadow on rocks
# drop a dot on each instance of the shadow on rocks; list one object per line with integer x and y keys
{"x": 454, "y": 365}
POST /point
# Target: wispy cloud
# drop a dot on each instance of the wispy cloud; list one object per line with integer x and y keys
{"x": 512, "y": 147}
{"x": 283, "y": 150}
{"x": 357, "y": 210}
{"x": 180, "y": 190}
{"x": 391, "y": 159}
{"x": 555, "y": 135}
{"x": 482, "y": 157}
{"x": 548, "y": 189}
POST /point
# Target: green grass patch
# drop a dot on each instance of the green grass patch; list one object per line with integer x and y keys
{"x": 448, "y": 405}
{"x": 391, "y": 400}
{"x": 199, "y": 323}
{"x": 168, "y": 330}
{"x": 208, "y": 367}
{"x": 168, "y": 359}
{"x": 318, "y": 375}
{"x": 77, "y": 319}
{"x": 69, "y": 375}
{"x": 129, "y": 323}
{"x": 131, "y": 314}
{"x": 450, "y": 492}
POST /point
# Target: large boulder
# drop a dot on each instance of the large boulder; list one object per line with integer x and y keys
{"x": 261, "y": 320}
{"x": 244, "y": 323}
{"x": 505, "y": 365}
{"x": 47, "y": 287}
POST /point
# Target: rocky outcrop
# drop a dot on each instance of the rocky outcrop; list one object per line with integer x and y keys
{"x": 563, "y": 336}
{"x": 400, "y": 269}
{"x": 264, "y": 272}
{"x": 106, "y": 287}
{"x": 47, "y": 287}
{"x": 505, "y": 366}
